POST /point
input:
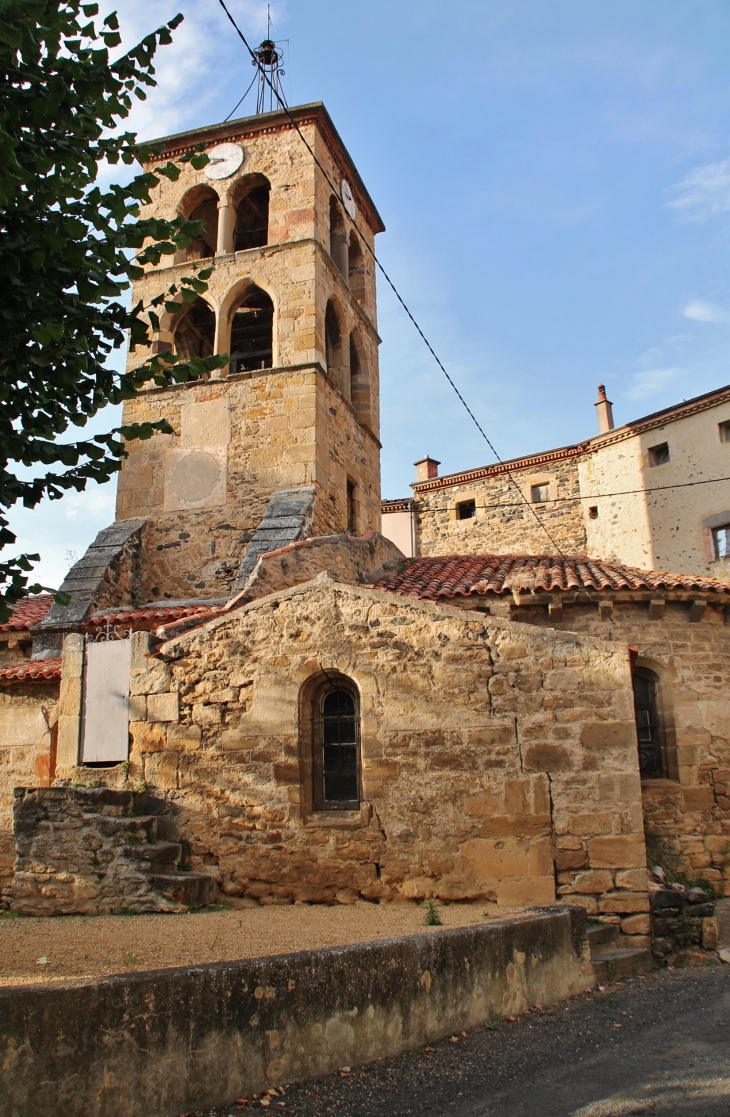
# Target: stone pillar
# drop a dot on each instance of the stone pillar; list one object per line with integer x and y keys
{"x": 69, "y": 704}
{"x": 226, "y": 228}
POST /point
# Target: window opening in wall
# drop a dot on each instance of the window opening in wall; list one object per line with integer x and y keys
{"x": 207, "y": 212}
{"x": 338, "y": 238}
{"x": 195, "y": 336}
{"x": 252, "y": 333}
{"x": 721, "y": 541}
{"x": 648, "y": 724}
{"x": 252, "y": 220}
{"x": 356, "y": 266}
{"x": 350, "y": 508}
{"x": 593, "y": 512}
{"x": 466, "y": 510}
{"x": 659, "y": 455}
{"x": 333, "y": 343}
{"x": 724, "y": 432}
{"x": 337, "y": 784}
{"x": 540, "y": 493}
{"x": 354, "y": 376}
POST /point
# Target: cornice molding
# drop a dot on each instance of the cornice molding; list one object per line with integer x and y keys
{"x": 501, "y": 468}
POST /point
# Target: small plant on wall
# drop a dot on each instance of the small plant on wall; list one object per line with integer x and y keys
{"x": 432, "y": 917}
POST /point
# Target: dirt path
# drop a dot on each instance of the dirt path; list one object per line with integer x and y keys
{"x": 33, "y": 950}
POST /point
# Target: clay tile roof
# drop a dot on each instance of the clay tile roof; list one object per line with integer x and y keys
{"x": 29, "y": 611}
{"x": 462, "y": 575}
{"x": 150, "y": 616}
{"x": 33, "y": 669}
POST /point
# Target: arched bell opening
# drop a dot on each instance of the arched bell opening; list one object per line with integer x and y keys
{"x": 338, "y": 238}
{"x": 337, "y": 369}
{"x": 201, "y": 204}
{"x": 252, "y": 216}
{"x": 252, "y": 332}
{"x": 359, "y": 379}
{"x": 356, "y": 269}
{"x": 195, "y": 333}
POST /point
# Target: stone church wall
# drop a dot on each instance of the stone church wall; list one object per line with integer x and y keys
{"x": 486, "y": 746}
{"x": 687, "y": 816}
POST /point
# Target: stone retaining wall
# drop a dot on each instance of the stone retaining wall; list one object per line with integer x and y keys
{"x": 170, "y": 1041}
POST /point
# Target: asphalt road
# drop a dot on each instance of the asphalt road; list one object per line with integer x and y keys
{"x": 656, "y": 1045}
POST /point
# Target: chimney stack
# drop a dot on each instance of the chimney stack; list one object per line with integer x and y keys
{"x": 426, "y": 469}
{"x": 604, "y": 408}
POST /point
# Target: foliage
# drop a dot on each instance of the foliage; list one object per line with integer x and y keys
{"x": 432, "y": 917}
{"x": 67, "y": 254}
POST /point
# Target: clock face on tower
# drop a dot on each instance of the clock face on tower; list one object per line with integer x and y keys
{"x": 347, "y": 199}
{"x": 224, "y": 160}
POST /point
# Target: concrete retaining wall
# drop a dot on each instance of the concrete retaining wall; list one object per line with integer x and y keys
{"x": 160, "y": 1043}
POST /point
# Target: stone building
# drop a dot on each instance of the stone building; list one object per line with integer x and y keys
{"x": 315, "y": 715}
{"x": 654, "y": 493}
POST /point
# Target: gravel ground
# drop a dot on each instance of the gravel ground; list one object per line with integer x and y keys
{"x": 656, "y": 1045}
{"x": 40, "y": 950}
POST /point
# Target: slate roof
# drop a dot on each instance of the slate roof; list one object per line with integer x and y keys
{"x": 28, "y": 611}
{"x": 32, "y": 669}
{"x": 461, "y": 575}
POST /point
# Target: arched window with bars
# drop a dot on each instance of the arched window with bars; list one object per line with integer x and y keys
{"x": 336, "y": 746}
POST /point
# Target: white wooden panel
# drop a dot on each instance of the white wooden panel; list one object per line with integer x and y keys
{"x": 106, "y": 702}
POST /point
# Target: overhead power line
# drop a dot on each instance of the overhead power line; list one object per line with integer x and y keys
{"x": 389, "y": 281}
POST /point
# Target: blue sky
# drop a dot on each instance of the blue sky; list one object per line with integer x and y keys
{"x": 555, "y": 181}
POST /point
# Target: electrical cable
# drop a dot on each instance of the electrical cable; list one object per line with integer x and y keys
{"x": 387, "y": 278}
{"x": 242, "y": 99}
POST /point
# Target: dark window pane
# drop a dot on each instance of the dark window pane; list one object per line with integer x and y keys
{"x": 647, "y": 726}
{"x": 339, "y": 748}
{"x": 338, "y": 702}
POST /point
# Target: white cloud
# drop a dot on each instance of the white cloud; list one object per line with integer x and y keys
{"x": 701, "y": 311}
{"x": 649, "y": 382}
{"x": 704, "y": 192}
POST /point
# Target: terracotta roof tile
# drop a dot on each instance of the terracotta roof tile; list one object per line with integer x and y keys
{"x": 29, "y": 611}
{"x": 462, "y": 575}
{"x": 33, "y": 669}
{"x": 149, "y": 616}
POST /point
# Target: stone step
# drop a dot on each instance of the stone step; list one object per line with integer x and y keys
{"x": 601, "y": 936}
{"x": 155, "y": 856}
{"x": 612, "y": 964}
{"x": 191, "y": 890}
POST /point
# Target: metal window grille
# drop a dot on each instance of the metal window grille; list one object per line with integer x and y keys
{"x": 337, "y": 742}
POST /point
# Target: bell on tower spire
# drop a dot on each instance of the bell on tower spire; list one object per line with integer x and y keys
{"x": 269, "y": 58}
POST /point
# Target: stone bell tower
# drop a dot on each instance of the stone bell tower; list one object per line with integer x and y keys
{"x": 283, "y": 444}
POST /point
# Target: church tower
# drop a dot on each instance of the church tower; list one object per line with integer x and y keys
{"x": 282, "y": 444}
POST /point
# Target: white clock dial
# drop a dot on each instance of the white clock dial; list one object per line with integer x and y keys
{"x": 224, "y": 160}
{"x": 347, "y": 199}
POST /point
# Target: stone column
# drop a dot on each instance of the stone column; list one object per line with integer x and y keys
{"x": 226, "y": 228}
{"x": 69, "y": 705}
